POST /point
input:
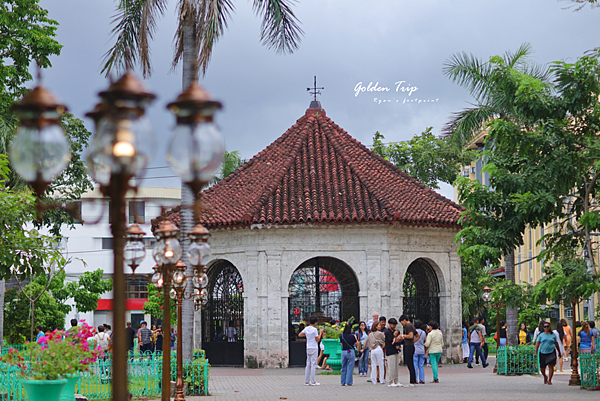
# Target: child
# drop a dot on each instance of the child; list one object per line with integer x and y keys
{"x": 313, "y": 336}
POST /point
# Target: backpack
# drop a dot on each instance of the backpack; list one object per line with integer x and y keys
{"x": 103, "y": 342}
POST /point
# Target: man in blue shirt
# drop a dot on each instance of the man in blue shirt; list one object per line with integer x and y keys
{"x": 40, "y": 333}
{"x": 547, "y": 344}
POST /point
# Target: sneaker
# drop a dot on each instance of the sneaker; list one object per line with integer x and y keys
{"x": 318, "y": 367}
{"x": 391, "y": 385}
{"x": 469, "y": 366}
{"x": 369, "y": 380}
{"x": 476, "y": 363}
{"x": 307, "y": 384}
{"x": 485, "y": 365}
{"x": 411, "y": 385}
{"x": 315, "y": 384}
{"x": 382, "y": 381}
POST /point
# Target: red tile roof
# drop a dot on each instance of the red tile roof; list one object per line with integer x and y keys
{"x": 317, "y": 173}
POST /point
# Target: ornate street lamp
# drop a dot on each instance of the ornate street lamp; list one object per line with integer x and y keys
{"x": 40, "y": 150}
{"x": 119, "y": 150}
{"x": 167, "y": 252}
{"x": 178, "y": 293}
{"x": 196, "y": 149}
{"x": 135, "y": 250}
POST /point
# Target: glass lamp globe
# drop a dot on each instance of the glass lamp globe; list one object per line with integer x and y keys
{"x": 173, "y": 293}
{"x": 196, "y": 293}
{"x": 44, "y": 151}
{"x": 120, "y": 146}
{"x": 156, "y": 277}
{"x": 179, "y": 279}
{"x": 199, "y": 253}
{"x": 200, "y": 281}
{"x": 204, "y": 295}
{"x": 134, "y": 253}
{"x": 195, "y": 151}
{"x": 171, "y": 252}
{"x": 157, "y": 251}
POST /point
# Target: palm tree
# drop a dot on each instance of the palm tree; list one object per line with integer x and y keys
{"x": 201, "y": 24}
{"x": 491, "y": 101}
{"x": 231, "y": 162}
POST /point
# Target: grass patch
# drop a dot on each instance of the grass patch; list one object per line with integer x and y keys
{"x": 330, "y": 373}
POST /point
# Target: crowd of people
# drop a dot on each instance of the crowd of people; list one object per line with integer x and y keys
{"x": 149, "y": 340}
{"x": 380, "y": 341}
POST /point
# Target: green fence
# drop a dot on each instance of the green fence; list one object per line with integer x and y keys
{"x": 589, "y": 366}
{"x": 517, "y": 360}
{"x": 144, "y": 375}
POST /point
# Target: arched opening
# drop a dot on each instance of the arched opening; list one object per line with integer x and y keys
{"x": 323, "y": 287}
{"x": 223, "y": 317}
{"x": 421, "y": 292}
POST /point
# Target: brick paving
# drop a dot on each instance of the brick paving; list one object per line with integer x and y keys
{"x": 456, "y": 383}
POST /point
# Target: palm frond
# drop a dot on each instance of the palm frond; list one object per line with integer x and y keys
{"x": 467, "y": 123}
{"x": 518, "y": 58}
{"x": 151, "y": 10}
{"x": 124, "y": 53}
{"x": 469, "y": 72}
{"x": 280, "y": 27}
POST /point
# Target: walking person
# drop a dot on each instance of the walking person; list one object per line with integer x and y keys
{"x": 568, "y": 339}
{"x": 348, "y": 354}
{"x": 363, "y": 361}
{"x": 434, "y": 344}
{"x": 476, "y": 338}
{"x": 409, "y": 337}
{"x": 159, "y": 339}
{"x": 375, "y": 319}
{"x": 484, "y": 345}
{"x": 392, "y": 354}
{"x": 375, "y": 342}
{"x": 419, "y": 357}
{"x": 546, "y": 343}
{"x": 586, "y": 338}
{"x": 538, "y": 330}
{"x": 312, "y": 349}
{"x": 465, "y": 341}
{"x": 130, "y": 335}
{"x": 595, "y": 334}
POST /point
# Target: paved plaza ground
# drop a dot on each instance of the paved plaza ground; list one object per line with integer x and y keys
{"x": 456, "y": 383}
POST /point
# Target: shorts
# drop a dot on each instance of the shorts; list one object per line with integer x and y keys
{"x": 547, "y": 359}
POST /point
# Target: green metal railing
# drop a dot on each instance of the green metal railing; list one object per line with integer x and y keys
{"x": 589, "y": 366}
{"x": 517, "y": 360}
{"x": 144, "y": 376}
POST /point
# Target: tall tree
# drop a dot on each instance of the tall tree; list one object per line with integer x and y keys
{"x": 492, "y": 100}
{"x": 201, "y": 24}
{"x": 231, "y": 162}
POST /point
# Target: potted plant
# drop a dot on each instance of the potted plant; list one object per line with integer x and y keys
{"x": 332, "y": 343}
{"x": 53, "y": 366}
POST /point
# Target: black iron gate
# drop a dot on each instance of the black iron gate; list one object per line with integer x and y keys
{"x": 421, "y": 292}
{"x": 323, "y": 287}
{"x": 223, "y": 317}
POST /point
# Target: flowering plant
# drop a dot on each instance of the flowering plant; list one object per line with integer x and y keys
{"x": 59, "y": 353}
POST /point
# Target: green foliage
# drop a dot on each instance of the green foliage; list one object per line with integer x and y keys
{"x": 567, "y": 280}
{"x": 231, "y": 162}
{"x": 27, "y": 35}
{"x": 50, "y": 307}
{"x": 154, "y": 305}
{"x": 87, "y": 290}
{"x": 427, "y": 158}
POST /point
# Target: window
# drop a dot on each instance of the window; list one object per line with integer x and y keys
{"x": 137, "y": 212}
{"x": 530, "y": 239}
{"x": 530, "y": 268}
{"x": 568, "y": 313}
{"x": 542, "y": 236}
{"x": 137, "y": 287}
{"x": 107, "y": 243}
{"x": 519, "y": 269}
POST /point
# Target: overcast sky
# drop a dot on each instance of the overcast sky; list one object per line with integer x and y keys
{"x": 346, "y": 42}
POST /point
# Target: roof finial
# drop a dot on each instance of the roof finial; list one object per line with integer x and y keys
{"x": 315, "y": 91}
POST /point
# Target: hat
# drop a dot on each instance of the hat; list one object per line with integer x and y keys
{"x": 143, "y": 322}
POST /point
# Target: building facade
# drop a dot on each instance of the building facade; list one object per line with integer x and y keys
{"x": 318, "y": 225}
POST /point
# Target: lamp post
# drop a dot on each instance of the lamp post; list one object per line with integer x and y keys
{"x": 496, "y": 305}
{"x": 167, "y": 252}
{"x": 179, "y": 286}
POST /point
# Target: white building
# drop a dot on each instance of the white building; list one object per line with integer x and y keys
{"x": 88, "y": 247}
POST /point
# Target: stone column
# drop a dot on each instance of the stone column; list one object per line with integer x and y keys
{"x": 251, "y": 311}
{"x": 374, "y": 288}
{"x": 276, "y": 332}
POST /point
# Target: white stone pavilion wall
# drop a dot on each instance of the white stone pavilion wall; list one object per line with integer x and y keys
{"x": 379, "y": 255}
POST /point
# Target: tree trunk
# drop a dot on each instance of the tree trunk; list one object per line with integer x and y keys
{"x": 187, "y": 196}
{"x": 512, "y": 314}
{"x": 2, "y": 292}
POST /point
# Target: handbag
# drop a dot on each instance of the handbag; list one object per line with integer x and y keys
{"x": 356, "y": 352}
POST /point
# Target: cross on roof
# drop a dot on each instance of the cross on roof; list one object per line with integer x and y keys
{"x": 315, "y": 90}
